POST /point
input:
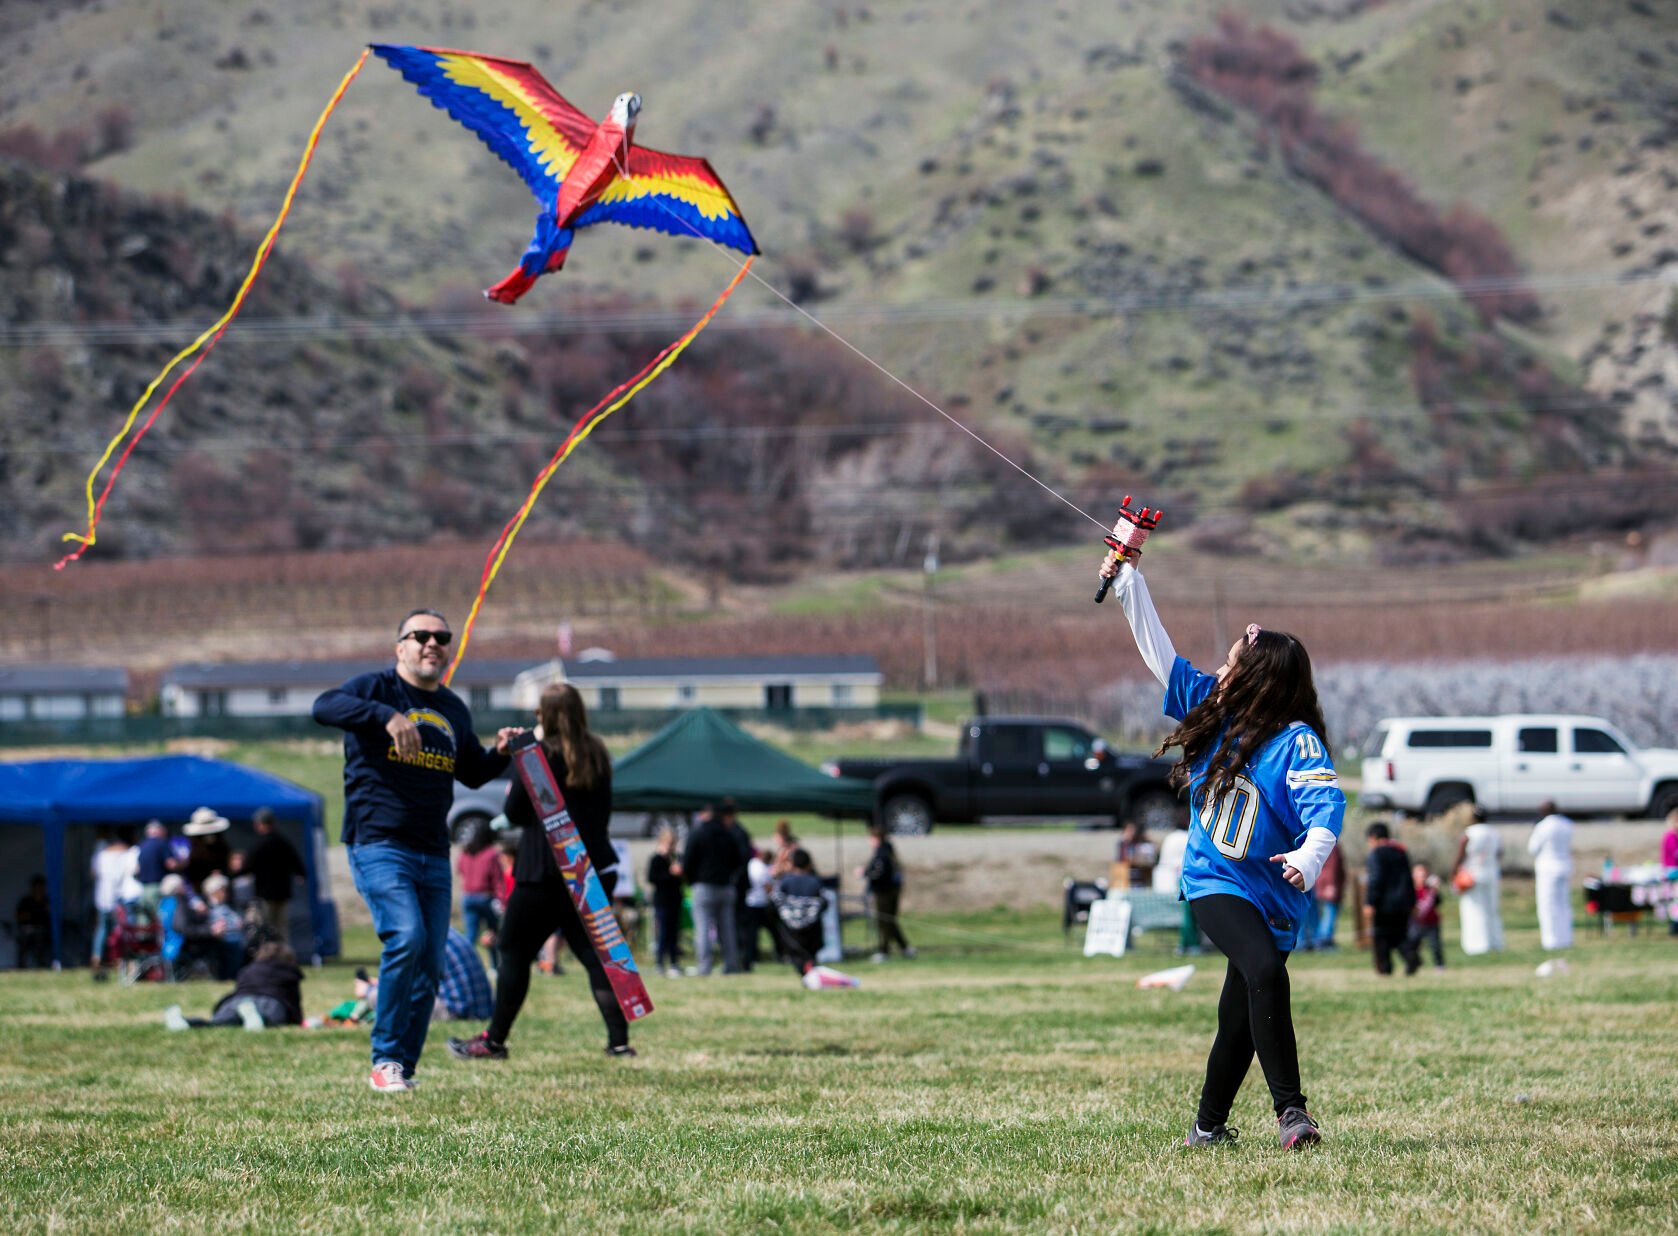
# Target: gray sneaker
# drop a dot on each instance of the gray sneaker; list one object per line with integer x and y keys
{"x": 1296, "y": 1130}
{"x": 1217, "y": 1135}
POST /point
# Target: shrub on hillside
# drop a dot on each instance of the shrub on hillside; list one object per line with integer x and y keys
{"x": 1266, "y": 72}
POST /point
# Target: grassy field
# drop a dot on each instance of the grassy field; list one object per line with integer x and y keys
{"x": 1000, "y": 1083}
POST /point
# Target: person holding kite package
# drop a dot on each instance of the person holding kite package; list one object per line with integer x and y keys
{"x": 407, "y": 738}
{"x": 540, "y": 904}
{"x": 1268, "y": 810}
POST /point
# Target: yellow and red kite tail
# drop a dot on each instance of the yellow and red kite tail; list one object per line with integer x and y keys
{"x": 206, "y": 341}
{"x": 614, "y": 399}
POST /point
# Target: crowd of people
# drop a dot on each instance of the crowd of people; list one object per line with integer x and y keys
{"x": 199, "y": 905}
{"x": 735, "y": 892}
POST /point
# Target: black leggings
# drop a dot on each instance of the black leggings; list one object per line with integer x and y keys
{"x": 535, "y": 912}
{"x": 886, "y": 924}
{"x": 1254, "y": 1012}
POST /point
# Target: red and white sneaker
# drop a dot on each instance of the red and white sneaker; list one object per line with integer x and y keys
{"x": 387, "y": 1078}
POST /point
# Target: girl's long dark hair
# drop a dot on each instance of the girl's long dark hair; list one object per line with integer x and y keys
{"x": 565, "y": 733}
{"x": 1270, "y": 688}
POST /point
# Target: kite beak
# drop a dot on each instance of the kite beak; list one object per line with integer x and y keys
{"x": 625, "y": 108}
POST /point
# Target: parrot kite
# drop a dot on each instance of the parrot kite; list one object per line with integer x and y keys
{"x": 581, "y": 172}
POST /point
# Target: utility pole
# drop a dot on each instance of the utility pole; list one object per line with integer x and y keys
{"x": 929, "y": 624}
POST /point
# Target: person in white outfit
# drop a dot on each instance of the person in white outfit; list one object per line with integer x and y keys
{"x": 1480, "y": 865}
{"x": 1168, "y": 879}
{"x": 113, "y": 868}
{"x": 1551, "y": 847}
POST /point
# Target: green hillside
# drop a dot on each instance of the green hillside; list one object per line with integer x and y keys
{"x": 1021, "y": 210}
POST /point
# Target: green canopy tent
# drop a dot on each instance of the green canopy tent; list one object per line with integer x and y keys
{"x": 701, "y": 758}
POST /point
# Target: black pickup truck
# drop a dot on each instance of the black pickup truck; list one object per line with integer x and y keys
{"x": 1018, "y": 766}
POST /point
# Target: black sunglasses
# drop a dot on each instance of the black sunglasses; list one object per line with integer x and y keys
{"x": 425, "y": 637}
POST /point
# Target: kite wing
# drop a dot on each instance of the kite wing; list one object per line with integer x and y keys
{"x": 507, "y": 103}
{"x": 674, "y": 194}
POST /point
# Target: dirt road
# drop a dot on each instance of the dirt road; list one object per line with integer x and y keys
{"x": 971, "y": 868}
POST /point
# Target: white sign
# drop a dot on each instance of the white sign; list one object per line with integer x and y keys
{"x": 1109, "y": 927}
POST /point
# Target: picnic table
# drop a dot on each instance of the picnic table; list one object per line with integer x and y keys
{"x": 1635, "y": 895}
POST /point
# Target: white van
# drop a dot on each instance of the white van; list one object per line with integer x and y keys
{"x": 1511, "y": 764}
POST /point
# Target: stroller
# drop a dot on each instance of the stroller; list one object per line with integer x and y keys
{"x": 134, "y": 949}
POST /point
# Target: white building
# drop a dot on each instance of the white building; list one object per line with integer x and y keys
{"x": 289, "y": 688}
{"x": 777, "y": 683}
{"x": 62, "y": 692}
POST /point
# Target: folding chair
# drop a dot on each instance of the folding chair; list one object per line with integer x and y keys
{"x": 1080, "y": 895}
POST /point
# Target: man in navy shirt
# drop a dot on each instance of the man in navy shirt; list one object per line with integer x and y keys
{"x": 156, "y": 861}
{"x": 407, "y": 739}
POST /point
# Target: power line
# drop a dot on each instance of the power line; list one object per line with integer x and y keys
{"x": 250, "y": 329}
{"x": 850, "y": 499}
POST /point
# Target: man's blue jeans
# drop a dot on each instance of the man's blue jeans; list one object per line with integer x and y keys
{"x": 409, "y": 895}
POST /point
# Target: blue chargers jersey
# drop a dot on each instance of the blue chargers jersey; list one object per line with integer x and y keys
{"x": 1287, "y": 787}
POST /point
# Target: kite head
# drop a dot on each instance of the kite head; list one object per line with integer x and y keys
{"x": 625, "y": 108}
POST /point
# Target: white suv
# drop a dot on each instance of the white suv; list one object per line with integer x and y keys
{"x": 1511, "y": 764}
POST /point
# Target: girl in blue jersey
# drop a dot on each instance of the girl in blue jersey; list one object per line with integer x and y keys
{"x": 1267, "y": 811}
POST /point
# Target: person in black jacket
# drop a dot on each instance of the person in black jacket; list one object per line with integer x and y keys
{"x": 273, "y": 862}
{"x": 711, "y": 864}
{"x": 745, "y": 923}
{"x": 540, "y": 904}
{"x": 664, "y": 877}
{"x": 1389, "y": 897}
{"x": 268, "y": 992}
{"x": 884, "y": 878}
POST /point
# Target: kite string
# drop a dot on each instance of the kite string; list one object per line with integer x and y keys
{"x": 623, "y": 171}
{"x": 207, "y": 340}
{"x": 614, "y": 399}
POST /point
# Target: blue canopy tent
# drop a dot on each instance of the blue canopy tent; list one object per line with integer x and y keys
{"x": 52, "y": 808}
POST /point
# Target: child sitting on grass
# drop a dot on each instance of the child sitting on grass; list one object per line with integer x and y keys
{"x": 796, "y": 907}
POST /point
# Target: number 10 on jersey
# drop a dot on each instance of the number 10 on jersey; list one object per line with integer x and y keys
{"x": 1230, "y": 820}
